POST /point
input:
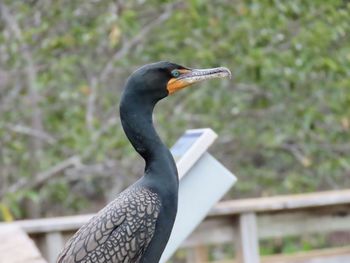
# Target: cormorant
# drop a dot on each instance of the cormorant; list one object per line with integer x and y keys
{"x": 136, "y": 226}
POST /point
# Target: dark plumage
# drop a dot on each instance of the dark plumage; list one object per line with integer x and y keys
{"x": 118, "y": 233}
{"x": 136, "y": 226}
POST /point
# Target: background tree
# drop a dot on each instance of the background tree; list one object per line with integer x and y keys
{"x": 283, "y": 120}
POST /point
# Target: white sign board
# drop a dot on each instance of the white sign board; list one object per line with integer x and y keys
{"x": 203, "y": 182}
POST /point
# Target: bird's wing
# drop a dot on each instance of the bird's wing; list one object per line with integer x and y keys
{"x": 120, "y": 232}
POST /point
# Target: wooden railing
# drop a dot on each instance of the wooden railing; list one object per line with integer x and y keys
{"x": 240, "y": 222}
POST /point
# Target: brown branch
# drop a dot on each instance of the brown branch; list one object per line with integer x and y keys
{"x": 7, "y": 100}
{"x": 95, "y": 137}
{"x": 131, "y": 43}
{"x": 13, "y": 26}
{"x": 41, "y": 135}
{"x": 251, "y": 88}
{"x": 127, "y": 46}
{"x": 4, "y": 79}
{"x": 90, "y": 105}
{"x": 43, "y": 177}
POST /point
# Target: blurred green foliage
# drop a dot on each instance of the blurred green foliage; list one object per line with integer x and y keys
{"x": 283, "y": 120}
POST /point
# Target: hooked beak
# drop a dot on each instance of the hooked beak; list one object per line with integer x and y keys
{"x": 191, "y": 76}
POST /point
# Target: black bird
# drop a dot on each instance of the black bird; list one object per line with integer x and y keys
{"x": 136, "y": 226}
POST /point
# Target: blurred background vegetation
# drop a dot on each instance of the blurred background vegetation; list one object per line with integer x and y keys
{"x": 283, "y": 120}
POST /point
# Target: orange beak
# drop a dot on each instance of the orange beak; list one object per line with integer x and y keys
{"x": 191, "y": 76}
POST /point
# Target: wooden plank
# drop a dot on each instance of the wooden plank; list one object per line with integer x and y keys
{"x": 220, "y": 230}
{"x": 198, "y": 254}
{"x": 302, "y": 222}
{"x": 247, "y": 248}
{"x": 212, "y": 231}
{"x": 54, "y": 245}
{"x": 17, "y": 247}
{"x": 292, "y": 259}
{"x": 190, "y": 256}
{"x": 227, "y": 208}
{"x": 223, "y": 230}
{"x": 276, "y": 217}
{"x": 286, "y": 202}
{"x": 330, "y": 255}
{"x": 62, "y": 224}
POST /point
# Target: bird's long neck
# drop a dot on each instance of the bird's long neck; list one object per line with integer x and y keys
{"x": 136, "y": 117}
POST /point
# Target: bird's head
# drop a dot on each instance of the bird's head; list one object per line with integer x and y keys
{"x": 161, "y": 79}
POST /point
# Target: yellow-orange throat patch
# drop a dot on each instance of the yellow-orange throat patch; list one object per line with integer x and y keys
{"x": 176, "y": 84}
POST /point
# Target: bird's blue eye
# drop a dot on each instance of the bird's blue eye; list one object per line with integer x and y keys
{"x": 175, "y": 73}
